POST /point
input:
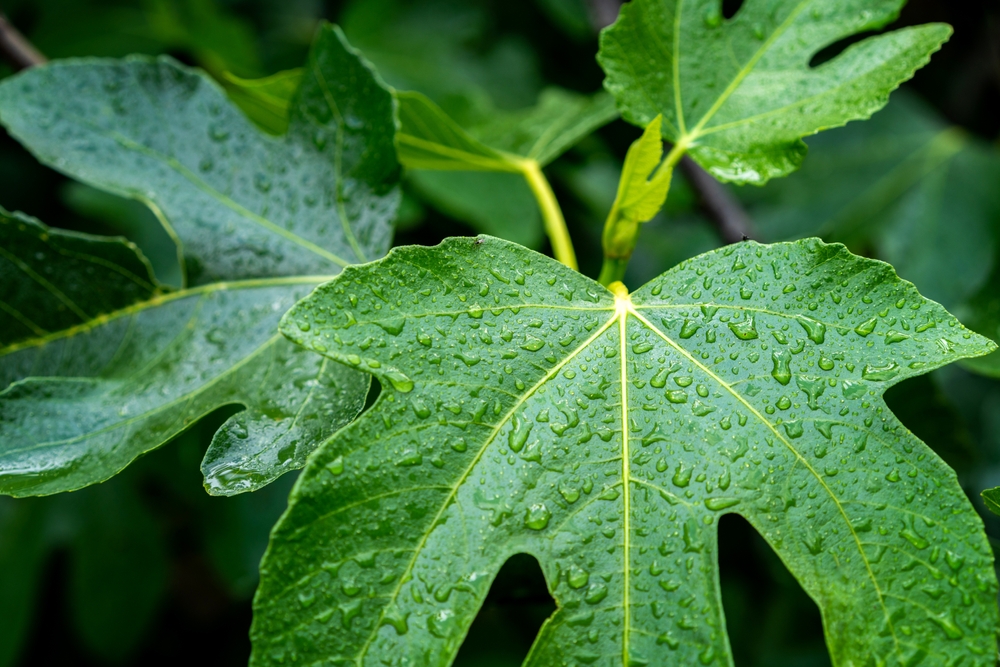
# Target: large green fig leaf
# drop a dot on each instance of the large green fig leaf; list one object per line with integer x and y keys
{"x": 47, "y": 277}
{"x": 739, "y": 94}
{"x": 527, "y": 409}
{"x": 87, "y": 401}
{"x": 244, "y": 204}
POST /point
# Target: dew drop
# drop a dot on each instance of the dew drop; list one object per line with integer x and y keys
{"x": 596, "y": 593}
{"x": 399, "y": 381}
{"x": 537, "y": 517}
{"x": 880, "y": 373}
{"x": 816, "y": 331}
{"x": 577, "y": 577}
{"x": 718, "y": 504}
{"x": 782, "y": 366}
{"x": 865, "y": 328}
{"x": 745, "y": 329}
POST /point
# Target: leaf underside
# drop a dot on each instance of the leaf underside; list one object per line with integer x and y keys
{"x": 47, "y": 277}
{"x": 243, "y": 203}
{"x": 526, "y": 409}
{"x": 740, "y": 93}
{"x": 87, "y": 394}
{"x": 95, "y": 398}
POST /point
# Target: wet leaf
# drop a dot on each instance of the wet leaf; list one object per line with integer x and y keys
{"x": 85, "y": 402}
{"x": 526, "y": 409}
{"x": 244, "y": 204}
{"x": 106, "y": 365}
{"x": 740, "y": 93}
{"x": 47, "y": 277}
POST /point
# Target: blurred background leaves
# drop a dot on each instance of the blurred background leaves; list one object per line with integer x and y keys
{"x": 147, "y": 569}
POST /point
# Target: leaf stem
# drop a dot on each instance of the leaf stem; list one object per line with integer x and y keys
{"x": 555, "y": 224}
{"x": 621, "y": 233}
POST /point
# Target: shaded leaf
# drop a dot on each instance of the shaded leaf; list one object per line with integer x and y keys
{"x": 87, "y": 401}
{"x": 267, "y": 102}
{"x": 739, "y": 94}
{"x": 500, "y": 204}
{"x": 991, "y": 498}
{"x": 547, "y": 130}
{"x": 244, "y": 204}
{"x": 503, "y": 143}
{"x": 429, "y": 139}
{"x": 48, "y": 277}
{"x": 526, "y": 409}
{"x": 902, "y": 183}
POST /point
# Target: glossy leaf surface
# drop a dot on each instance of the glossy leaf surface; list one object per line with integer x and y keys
{"x": 740, "y": 93}
{"x": 87, "y": 401}
{"x": 991, "y": 497}
{"x": 526, "y": 409}
{"x": 244, "y": 204}
{"x": 640, "y": 197}
{"x": 48, "y": 277}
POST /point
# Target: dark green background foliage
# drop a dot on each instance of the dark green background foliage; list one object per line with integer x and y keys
{"x": 147, "y": 569}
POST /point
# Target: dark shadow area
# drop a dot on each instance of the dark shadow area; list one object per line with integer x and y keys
{"x": 203, "y": 551}
{"x": 506, "y": 626}
{"x": 828, "y": 53}
{"x": 770, "y": 619}
{"x": 730, "y": 8}
{"x": 921, "y": 405}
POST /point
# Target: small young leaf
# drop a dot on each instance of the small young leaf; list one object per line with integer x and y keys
{"x": 991, "y": 498}
{"x": 640, "y": 196}
{"x": 268, "y": 101}
{"x": 244, "y": 204}
{"x": 526, "y": 409}
{"x": 48, "y": 277}
{"x": 739, "y": 94}
{"x": 85, "y": 402}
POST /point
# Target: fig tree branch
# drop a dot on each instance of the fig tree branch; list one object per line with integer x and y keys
{"x": 15, "y": 47}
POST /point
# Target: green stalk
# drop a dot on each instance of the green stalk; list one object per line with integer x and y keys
{"x": 555, "y": 224}
{"x": 621, "y": 232}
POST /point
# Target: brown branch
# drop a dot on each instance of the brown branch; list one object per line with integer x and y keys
{"x": 731, "y": 220}
{"x": 16, "y": 48}
{"x": 603, "y": 12}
